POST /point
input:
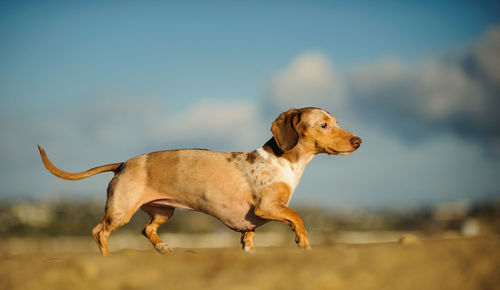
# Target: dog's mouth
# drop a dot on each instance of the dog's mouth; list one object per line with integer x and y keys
{"x": 332, "y": 151}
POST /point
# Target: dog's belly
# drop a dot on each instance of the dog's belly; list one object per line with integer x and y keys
{"x": 240, "y": 218}
{"x": 237, "y": 216}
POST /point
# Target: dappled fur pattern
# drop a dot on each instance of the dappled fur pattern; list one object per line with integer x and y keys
{"x": 243, "y": 190}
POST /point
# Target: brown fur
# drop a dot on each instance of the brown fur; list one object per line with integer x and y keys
{"x": 242, "y": 189}
{"x": 76, "y": 176}
{"x": 251, "y": 157}
{"x": 284, "y": 130}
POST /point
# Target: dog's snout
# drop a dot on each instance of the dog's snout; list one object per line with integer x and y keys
{"x": 355, "y": 142}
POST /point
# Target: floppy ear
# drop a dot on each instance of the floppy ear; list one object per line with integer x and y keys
{"x": 284, "y": 129}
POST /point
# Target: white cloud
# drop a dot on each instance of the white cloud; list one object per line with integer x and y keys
{"x": 446, "y": 90}
{"x": 433, "y": 91}
{"x": 309, "y": 80}
{"x": 456, "y": 92}
{"x": 141, "y": 123}
{"x": 487, "y": 55}
{"x": 219, "y": 121}
{"x": 379, "y": 73}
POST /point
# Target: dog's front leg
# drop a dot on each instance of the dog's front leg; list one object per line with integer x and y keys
{"x": 247, "y": 241}
{"x": 271, "y": 205}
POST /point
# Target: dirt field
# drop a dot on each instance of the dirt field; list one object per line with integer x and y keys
{"x": 435, "y": 264}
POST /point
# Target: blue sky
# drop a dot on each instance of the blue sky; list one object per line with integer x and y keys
{"x": 101, "y": 82}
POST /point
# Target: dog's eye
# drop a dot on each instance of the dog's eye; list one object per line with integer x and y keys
{"x": 324, "y": 125}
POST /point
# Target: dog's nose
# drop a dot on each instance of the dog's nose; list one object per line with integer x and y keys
{"x": 355, "y": 142}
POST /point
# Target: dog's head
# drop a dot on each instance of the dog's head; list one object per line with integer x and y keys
{"x": 315, "y": 130}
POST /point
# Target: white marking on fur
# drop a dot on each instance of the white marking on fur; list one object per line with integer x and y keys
{"x": 263, "y": 153}
{"x": 290, "y": 173}
{"x": 284, "y": 170}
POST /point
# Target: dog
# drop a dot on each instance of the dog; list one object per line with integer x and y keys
{"x": 244, "y": 190}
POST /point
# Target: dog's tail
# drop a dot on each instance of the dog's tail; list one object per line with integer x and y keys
{"x": 76, "y": 176}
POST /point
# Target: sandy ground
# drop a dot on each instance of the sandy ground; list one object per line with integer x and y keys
{"x": 434, "y": 264}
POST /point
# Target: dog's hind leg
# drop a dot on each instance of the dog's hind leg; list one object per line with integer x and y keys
{"x": 158, "y": 216}
{"x": 100, "y": 237}
{"x": 110, "y": 222}
{"x": 118, "y": 212}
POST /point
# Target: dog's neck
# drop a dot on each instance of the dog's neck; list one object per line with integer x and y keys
{"x": 292, "y": 162}
{"x": 296, "y": 155}
{"x": 272, "y": 147}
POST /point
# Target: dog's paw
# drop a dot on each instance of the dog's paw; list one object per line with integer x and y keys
{"x": 303, "y": 242}
{"x": 163, "y": 248}
{"x": 304, "y": 245}
{"x": 249, "y": 249}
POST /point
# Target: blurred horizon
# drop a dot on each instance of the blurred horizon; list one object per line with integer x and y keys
{"x": 97, "y": 83}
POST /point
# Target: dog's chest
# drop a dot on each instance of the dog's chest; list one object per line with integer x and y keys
{"x": 267, "y": 169}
